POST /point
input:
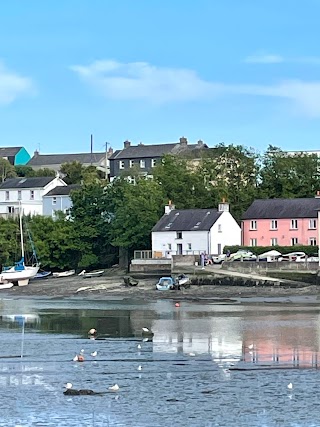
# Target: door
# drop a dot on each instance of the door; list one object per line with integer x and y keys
{"x": 179, "y": 248}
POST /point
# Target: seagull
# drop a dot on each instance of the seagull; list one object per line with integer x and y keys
{"x": 250, "y": 346}
{"x": 114, "y": 387}
{"x": 290, "y": 386}
{"x": 139, "y": 346}
{"x": 75, "y": 359}
{"x": 94, "y": 353}
{"x": 139, "y": 368}
{"x": 145, "y": 330}
{"x": 192, "y": 354}
{"x": 92, "y": 331}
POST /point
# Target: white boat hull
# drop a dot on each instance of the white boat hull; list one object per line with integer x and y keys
{"x": 64, "y": 273}
{"x": 13, "y": 275}
{"x": 7, "y": 285}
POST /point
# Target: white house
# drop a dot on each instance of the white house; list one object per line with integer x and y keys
{"x": 194, "y": 231}
{"x": 27, "y": 192}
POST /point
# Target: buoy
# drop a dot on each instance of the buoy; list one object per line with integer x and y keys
{"x": 177, "y": 304}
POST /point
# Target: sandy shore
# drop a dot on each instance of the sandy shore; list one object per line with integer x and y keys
{"x": 107, "y": 287}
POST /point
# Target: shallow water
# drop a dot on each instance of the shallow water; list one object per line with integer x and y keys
{"x": 187, "y": 376}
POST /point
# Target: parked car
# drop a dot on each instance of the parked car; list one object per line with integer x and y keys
{"x": 218, "y": 259}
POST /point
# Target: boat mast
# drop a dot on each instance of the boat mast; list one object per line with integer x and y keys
{"x": 21, "y": 232}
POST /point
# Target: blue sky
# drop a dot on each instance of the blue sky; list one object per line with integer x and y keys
{"x": 244, "y": 72}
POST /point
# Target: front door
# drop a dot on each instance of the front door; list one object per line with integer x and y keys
{"x": 179, "y": 248}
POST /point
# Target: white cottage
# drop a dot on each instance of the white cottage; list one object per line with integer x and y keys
{"x": 194, "y": 231}
{"x": 27, "y": 193}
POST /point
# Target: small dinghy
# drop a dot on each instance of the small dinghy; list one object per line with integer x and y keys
{"x": 64, "y": 273}
{"x": 42, "y": 275}
{"x": 90, "y": 274}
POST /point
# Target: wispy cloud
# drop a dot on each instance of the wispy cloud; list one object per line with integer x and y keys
{"x": 268, "y": 58}
{"x": 142, "y": 81}
{"x": 12, "y": 85}
{"x": 264, "y": 59}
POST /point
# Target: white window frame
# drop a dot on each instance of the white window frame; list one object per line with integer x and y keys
{"x": 219, "y": 228}
{"x": 273, "y": 241}
{"x": 274, "y": 224}
{"x": 253, "y": 242}
{"x": 54, "y": 200}
{"x": 294, "y": 224}
{"x": 31, "y": 194}
{"x": 121, "y": 164}
{"x": 131, "y": 163}
{"x": 312, "y": 241}
{"x": 312, "y": 224}
{"x": 294, "y": 241}
{"x": 19, "y": 195}
{"x": 7, "y": 195}
{"x": 142, "y": 164}
{"x": 179, "y": 235}
{"x": 153, "y": 163}
{"x": 253, "y": 224}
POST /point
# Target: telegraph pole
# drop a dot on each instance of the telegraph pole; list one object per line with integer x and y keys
{"x": 106, "y": 161}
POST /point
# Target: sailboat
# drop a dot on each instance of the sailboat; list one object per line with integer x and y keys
{"x": 20, "y": 273}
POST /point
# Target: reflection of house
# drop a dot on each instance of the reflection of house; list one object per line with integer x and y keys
{"x": 15, "y": 155}
{"x": 58, "y": 199}
{"x": 142, "y": 158}
{"x": 283, "y": 222}
{"x": 193, "y": 231}
{"x": 27, "y": 192}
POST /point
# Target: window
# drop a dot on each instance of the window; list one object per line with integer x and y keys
{"x": 274, "y": 224}
{"x": 7, "y": 195}
{"x": 54, "y": 200}
{"x": 313, "y": 241}
{"x": 253, "y": 225}
{"x": 294, "y": 241}
{"x": 179, "y": 234}
{"x": 142, "y": 164}
{"x": 219, "y": 228}
{"x": 19, "y": 194}
{"x": 31, "y": 195}
{"x": 153, "y": 163}
{"x": 121, "y": 164}
{"x": 312, "y": 224}
{"x": 253, "y": 242}
{"x": 294, "y": 224}
{"x": 131, "y": 163}
{"x": 169, "y": 246}
{"x": 11, "y": 210}
{"x": 274, "y": 241}
{"x": 189, "y": 246}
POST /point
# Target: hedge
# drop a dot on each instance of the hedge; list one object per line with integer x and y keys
{"x": 257, "y": 250}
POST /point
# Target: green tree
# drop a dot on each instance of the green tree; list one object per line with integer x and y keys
{"x": 73, "y": 172}
{"x": 24, "y": 171}
{"x": 6, "y": 170}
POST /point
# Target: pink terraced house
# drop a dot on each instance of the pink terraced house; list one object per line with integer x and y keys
{"x": 283, "y": 222}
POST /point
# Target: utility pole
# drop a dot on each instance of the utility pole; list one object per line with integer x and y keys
{"x": 106, "y": 161}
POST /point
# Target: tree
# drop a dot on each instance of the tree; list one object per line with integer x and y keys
{"x": 288, "y": 176}
{"x": 73, "y": 172}
{"x": 6, "y": 170}
{"x": 24, "y": 171}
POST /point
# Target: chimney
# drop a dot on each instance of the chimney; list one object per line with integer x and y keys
{"x": 200, "y": 143}
{"x": 183, "y": 141}
{"x": 110, "y": 152}
{"x": 317, "y": 196}
{"x": 36, "y": 153}
{"x": 126, "y": 144}
{"x": 224, "y": 206}
{"x": 168, "y": 208}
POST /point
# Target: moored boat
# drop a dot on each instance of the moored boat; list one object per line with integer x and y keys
{"x": 90, "y": 274}
{"x": 42, "y": 274}
{"x": 64, "y": 273}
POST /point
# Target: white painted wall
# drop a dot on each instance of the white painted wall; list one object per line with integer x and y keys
{"x": 199, "y": 242}
{"x": 225, "y": 231}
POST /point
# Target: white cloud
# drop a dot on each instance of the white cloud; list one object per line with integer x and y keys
{"x": 142, "y": 81}
{"x": 264, "y": 59}
{"x": 12, "y": 85}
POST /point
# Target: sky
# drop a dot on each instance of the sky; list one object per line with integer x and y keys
{"x": 240, "y": 72}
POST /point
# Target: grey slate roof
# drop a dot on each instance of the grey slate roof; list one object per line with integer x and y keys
{"x": 150, "y": 151}
{"x": 9, "y": 151}
{"x": 37, "y": 182}
{"x": 62, "y": 190}
{"x": 283, "y": 208}
{"x": 55, "y": 159}
{"x": 188, "y": 220}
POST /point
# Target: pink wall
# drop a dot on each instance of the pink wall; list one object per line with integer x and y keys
{"x": 283, "y": 234}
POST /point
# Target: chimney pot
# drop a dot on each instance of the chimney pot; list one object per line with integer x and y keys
{"x": 183, "y": 141}
{"x": 126, "y": 144}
